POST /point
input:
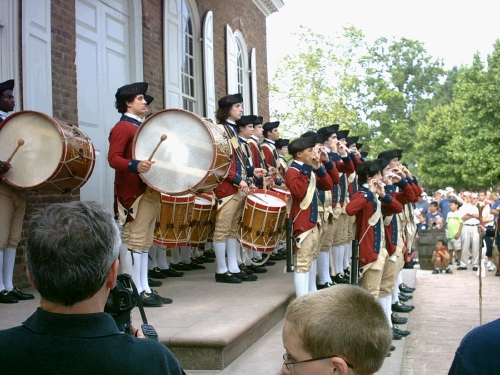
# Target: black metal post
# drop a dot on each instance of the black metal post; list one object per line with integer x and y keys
{"x": 354, "y": 262}
{"x": 289, "y": 245}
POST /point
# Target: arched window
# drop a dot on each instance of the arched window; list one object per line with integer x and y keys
{"x": 242, "y": 71}
{"x": 182, "y": 56}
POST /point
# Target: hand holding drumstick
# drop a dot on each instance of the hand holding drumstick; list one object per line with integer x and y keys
{"x": 145, "y": 165}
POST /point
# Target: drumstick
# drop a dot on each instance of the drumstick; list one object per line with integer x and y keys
{"x": 162, "y": 138}
{"x": 277, "y": 171}
{"x": 19, "y": 144}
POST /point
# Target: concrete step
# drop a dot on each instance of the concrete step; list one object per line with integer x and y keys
{"x": 211, "y": 324}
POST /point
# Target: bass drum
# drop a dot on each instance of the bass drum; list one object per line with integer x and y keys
{"x": 195, "y": 157}
{"x": 55, "y": 156}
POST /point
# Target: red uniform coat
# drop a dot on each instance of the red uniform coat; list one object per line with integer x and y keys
{"x": 361, "y": 205}
{"x": 297, "y": 180}
{"x": 128, "y": 184}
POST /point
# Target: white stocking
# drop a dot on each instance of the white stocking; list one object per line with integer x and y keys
{"x": 144, "y": 272}
{"x": 312, "y": 276}
{"x": 152, "y": 263}
{"x": 323, "y": 268}
{"x": 9, "y": 261}
{"x": 220, "y": 256}
{"x": 301, "y": 281}
{"x": 133, "y": 265}
{"x": 232, "y": 248}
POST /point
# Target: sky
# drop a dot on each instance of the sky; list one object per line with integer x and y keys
{"x": 451, "y": 30}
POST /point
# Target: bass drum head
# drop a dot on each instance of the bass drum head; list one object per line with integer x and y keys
{"x": 184, "y": 159}
{"x": 37, "y": 160}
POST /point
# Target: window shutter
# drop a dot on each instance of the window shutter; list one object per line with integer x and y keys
{"x": 253, "y": 69}
{"x": 173, "y": 88}
{"x": 36, "y": 50}
{"x": 231, "y": 55}
{"x": 208, "y": 65}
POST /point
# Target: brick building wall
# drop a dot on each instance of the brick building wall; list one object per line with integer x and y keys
{"x": 242, "y": 15}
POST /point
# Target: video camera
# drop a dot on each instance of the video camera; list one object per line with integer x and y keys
{"x": 121, "y": 300}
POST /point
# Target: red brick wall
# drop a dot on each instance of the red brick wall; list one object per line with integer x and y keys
{"x": 153, "y": 55}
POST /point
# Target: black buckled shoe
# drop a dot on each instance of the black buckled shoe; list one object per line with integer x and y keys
{"x": 269, "y": 263}
{"x": 339, "y": 279}
{"x": 400, "y": 332}
{"x": 156, "y": 273}
{"x": 244, "y": 277}
{"x": 195, "y": 266}
{"x": 197, "y": 260}
{"x": 181, "y": 267}
{"x": 227, "y": 278}
{"x": 277, "y": 257}
{"x": 206, "y": 259}
{"x": 7, "y": 297}
{"x": 399, "y": 307}
{"x": 154, "y": 283}
{"x": 257, "y": 269}
{"x": 406, "y": 289}
{"x": 149, "y": 300}
{"x": 404, "y": 297}
{"x": 324, "y": 286}
{"x": 347, "y": 272}
{"x": 165, "y": 300}
{"x": 395, "y": 336}
{"x": 172, "y": 273}
{"x": 245, "y": 269}
{"x": 396, "y": 319}
{"x": 209, "y": 254}
{"x": 20, "y": 295}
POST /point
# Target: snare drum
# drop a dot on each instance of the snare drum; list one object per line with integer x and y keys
{"x": 56, "y": 156}
{"x": 203, "y": 222}
{"x": 263, "y": 221}
{"x": 283, "y": 192}
{"x": 195, "y": 157}
{"x": 173, "y": 226}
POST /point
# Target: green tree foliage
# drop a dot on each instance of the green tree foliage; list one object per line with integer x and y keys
{"x": 400, "y": 78}
{"x": 319, "y": 85}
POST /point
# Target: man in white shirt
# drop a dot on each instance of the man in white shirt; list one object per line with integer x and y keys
{"x": 470, "y": 233}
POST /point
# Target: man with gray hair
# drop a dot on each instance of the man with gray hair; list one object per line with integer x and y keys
{"x": 72, "y": 260}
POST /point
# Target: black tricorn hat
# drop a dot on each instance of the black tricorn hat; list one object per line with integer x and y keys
{"x": 132, "y": 89}
{"x": 358, "y": 145}
{"x": 301, "y": 143}
{"x": 7, "y": 85}
{"x": 369, "y": 167}
{"x": 268, "y": 126}
{"x": 258, "y": 120}
{"x": 334, "y": 128}
{"x": 229, "y": 100}
{"x": 149, "y": 99}
{"x": 281, "y": 142}
{"x": 311, "y": 133}
{"x": 351, "y": 140}
{"x": 363, "y": 154}
{"x": 391, "y": 154}
{"x": 326, "y": 131}
{"x": 342, "y": 134}
{"x": 246, "y": 120}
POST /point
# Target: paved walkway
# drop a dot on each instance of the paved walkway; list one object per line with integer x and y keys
{"x": 446, "y": 308}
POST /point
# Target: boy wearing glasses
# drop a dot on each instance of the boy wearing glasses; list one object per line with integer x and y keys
{"x": 327, "y": 332}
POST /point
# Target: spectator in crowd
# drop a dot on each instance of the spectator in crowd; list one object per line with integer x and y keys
{"x": 441, "y": 258}
{"x": 434, "y": 218}
{"x": 422, "y": 204}
{"x": 454, "y": 224}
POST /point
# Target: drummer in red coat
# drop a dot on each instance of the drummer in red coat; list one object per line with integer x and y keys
{"x": 136, "y": 204}
{"x": 231, "y": 195}
{"x": 305, "y": 174}
{"x": 271, "y": 157}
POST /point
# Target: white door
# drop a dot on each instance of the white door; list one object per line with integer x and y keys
{"x": 102, "y": 65}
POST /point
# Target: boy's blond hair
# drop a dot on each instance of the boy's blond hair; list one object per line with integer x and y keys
{"x": 343, "y": 320}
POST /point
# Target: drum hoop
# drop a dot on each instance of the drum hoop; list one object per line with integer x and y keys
{"x": 192, "y": 189}
{"x": 177, "y": 199}
{"x": 64, "y": 151}
{"x": 258, "y": 204}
